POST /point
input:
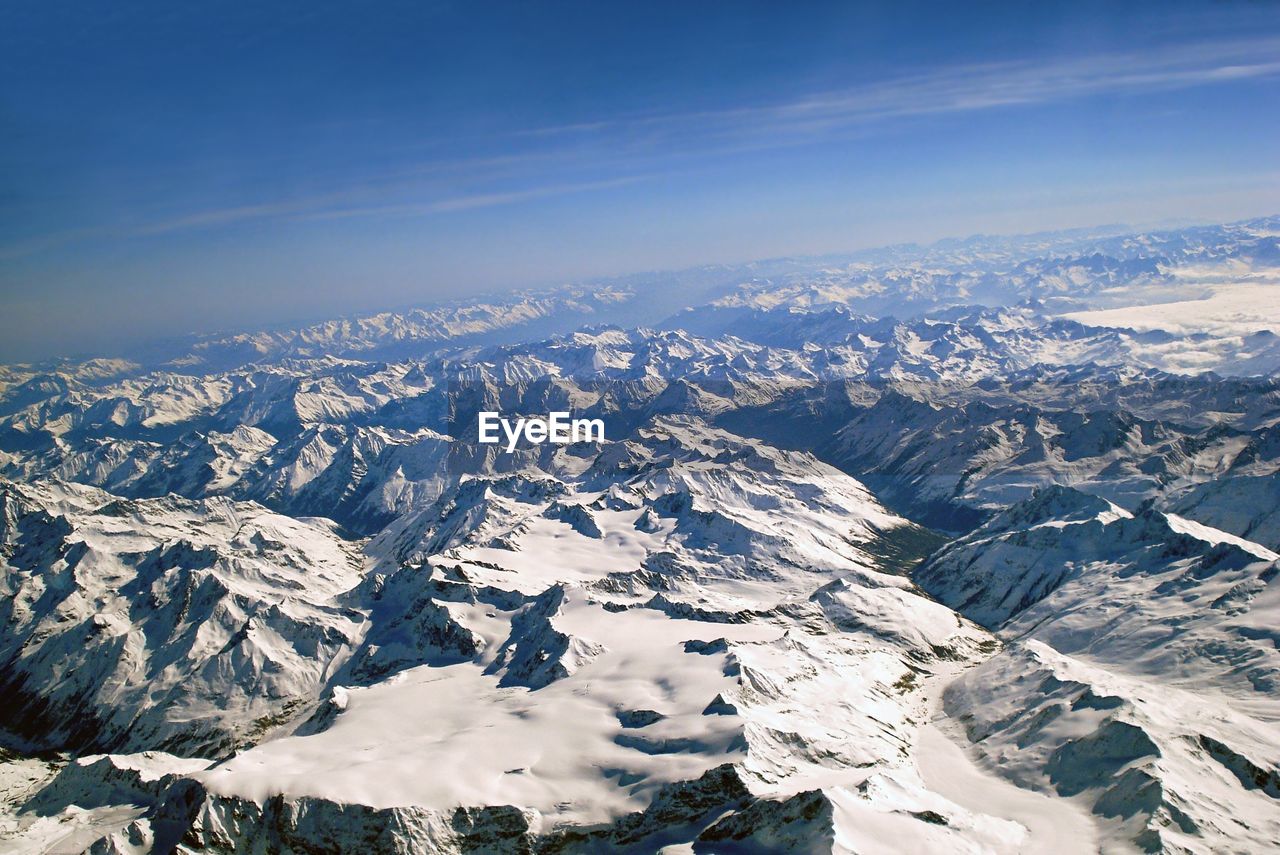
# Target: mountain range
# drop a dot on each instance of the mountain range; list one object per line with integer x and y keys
{"x": 964, "y": 547}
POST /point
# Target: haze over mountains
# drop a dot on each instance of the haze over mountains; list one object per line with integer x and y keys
{"x": 962, "y": 548}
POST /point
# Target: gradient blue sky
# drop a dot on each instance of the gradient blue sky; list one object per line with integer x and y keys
{"x": 167, "y": 168}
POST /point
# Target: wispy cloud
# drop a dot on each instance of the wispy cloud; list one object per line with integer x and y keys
{"x": 331, "y": 206}
{"x": 958, "y": 89}
{"x": 478, "y": 200}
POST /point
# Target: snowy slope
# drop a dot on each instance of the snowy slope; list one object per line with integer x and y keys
{"x": 1141, "y": 670}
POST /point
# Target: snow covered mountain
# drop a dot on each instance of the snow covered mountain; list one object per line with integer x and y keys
{"x": 1141, "y": 673}
{"x": 962, "y": 548}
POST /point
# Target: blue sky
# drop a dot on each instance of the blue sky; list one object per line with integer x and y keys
{"x": 167, "y": 168}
